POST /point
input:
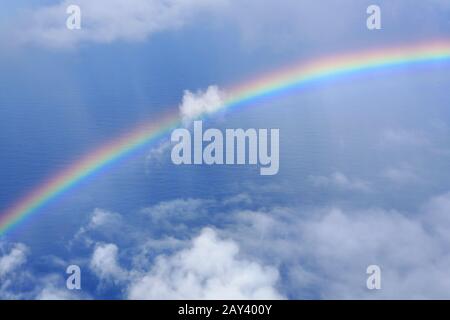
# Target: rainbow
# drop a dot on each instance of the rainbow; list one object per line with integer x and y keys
{"x": 292, "y": 77}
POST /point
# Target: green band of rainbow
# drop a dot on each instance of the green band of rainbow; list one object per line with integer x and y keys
{"x": 294, "y": 76}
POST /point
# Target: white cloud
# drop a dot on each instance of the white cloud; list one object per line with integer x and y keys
{"x": 401, "y": 175}
{"x": 296, "y": 24}
{"x": 13, "y": 260}
{"x": 100, "y": 218}
{"x": 12, "y": 271}
{"x": 209, "y": 269}
{"x": 158, "y": 153}
{"x": 340, "y": 181}
{"x": 54, "y": 288}
{"x": 53, "y": 293}
{"x": 18, "y": 281}
{"x": 436, "y": 216}
{"x": 323, "y": 253}
{"x": 184, "y": 209}
{"x": 101, "y": 222}
{"x": 241, "y": 199}
{"x": 193, "y": 105}
{"x": 326, "y": 251}
{"x": 201, "y": 102}
{"x": 104, "y": 21}
{"x": 104, "y": 263}
{"x": 343, "y": 244}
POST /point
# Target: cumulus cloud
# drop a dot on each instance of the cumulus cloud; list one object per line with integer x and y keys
{"x": 104, "y": 263}
{"x": 209, "y": 269}
{"x": 323, "y": 252}
{"x": 104, "y": 21}
{"x": 193, "y": 105}
{"x": 198, "y": 103}
{"x": 340, "y": 181}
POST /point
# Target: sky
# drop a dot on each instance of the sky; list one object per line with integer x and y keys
{"x": 364, "y": 160}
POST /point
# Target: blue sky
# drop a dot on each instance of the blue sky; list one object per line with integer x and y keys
{"x": 363, "y": 161}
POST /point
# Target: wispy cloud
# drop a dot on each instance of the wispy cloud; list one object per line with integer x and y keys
{"x": 402, "y": 174}
{"x": 341, "y": 181}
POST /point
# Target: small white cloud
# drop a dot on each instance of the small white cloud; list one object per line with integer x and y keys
{"x": 340, "y": 181}
{"x": 14, "y": 259}
{"x": 157, "y": 154}
{"x": 209, "y": 269}
{"x": 101, "y": 218}
{"x": 102, "y": 222}
{"x": 239, "y": 199}
{"x": 186, "y": 209}
{"x": 104, "y": 263}
{"x": 201, "y": 102}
